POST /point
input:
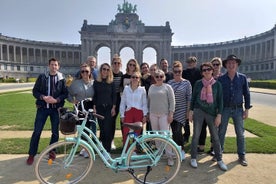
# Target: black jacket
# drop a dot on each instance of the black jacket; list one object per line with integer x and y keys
{"x": 41, "y": 89}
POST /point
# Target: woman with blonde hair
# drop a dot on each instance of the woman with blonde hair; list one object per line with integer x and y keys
{"x": 132, "y": 66}
{"x": 105, "y": 103}
{"x": 133, "y": 107}
{"x": 217, "y": 64}
{"x": 82, "y": 88}
{"x": 161, "y": 106}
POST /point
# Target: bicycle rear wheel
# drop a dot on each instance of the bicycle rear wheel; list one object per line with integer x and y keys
{"x": 56, "y": 164}
{"x": 156, "y": 161}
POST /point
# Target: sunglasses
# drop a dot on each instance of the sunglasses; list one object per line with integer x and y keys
{"x": 84, "y": 71}
{"x": 134, "y": 77}
{"x": 216, "y": 64}
{"x": 105, "y": 69}
{"x": 207, "y": 69}
{"x": 177, "y": 71}
{"x": 131, "y": 65}
{"x": 159, "y": 76}
{"x": 116, "y": 63}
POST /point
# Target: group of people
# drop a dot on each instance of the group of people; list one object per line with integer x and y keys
{"x": 159, "y": 98}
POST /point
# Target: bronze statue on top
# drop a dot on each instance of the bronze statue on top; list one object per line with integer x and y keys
{"x": 127, "y": 8}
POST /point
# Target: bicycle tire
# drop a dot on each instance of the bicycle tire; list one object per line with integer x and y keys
{"x": 140, "y": 161}
{"x": 51, "y": 168}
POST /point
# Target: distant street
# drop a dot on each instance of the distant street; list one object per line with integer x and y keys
{"x": 263, "y": 99}
{"x": 15, "y": 86}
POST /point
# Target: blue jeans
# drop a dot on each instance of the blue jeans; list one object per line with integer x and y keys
{"x": 40, "y": 120}
{"x": 198, "y": 119}
{"x": 236, "y": 114}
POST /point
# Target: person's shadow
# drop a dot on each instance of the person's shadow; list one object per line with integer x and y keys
{"x": 206, "y": 172}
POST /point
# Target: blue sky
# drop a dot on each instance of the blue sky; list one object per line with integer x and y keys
{"x": 192, "y": 21}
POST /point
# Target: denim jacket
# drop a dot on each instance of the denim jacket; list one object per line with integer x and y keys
{"x": 41, "y": 89}
{"x": 235, "y": 92}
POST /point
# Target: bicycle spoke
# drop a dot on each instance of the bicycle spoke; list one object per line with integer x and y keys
{"x": 159, "y": 162}
{"x": 63, "y": 167}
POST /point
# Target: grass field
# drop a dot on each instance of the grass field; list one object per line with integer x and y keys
{"x": 18, "y": 112}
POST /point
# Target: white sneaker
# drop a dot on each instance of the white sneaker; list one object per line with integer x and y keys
{"x": 170, "y": 161}
{"x": 82, "y": 151}
{"x": 85, "y": 154}
{"x": 193, "y": 163}
{"x": 222, "y": 166}
{"x": 113, "y": 146}
{"x": 183, "y": 154}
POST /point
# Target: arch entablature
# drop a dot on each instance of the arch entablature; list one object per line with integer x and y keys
{"x": 126, "y": 31}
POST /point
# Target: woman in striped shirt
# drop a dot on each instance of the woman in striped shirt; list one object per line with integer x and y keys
{"x": 182, "y": 91}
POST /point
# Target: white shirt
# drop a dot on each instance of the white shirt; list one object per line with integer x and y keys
{"x": 133, "y": 98}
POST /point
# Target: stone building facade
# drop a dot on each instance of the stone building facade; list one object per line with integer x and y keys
{"x": 258, "y": 53}
{"x": 21, "y": 58}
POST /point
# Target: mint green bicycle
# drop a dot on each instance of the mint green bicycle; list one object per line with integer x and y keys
{"x": 152, "y": 157}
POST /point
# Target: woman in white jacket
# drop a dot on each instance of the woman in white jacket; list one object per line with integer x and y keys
{"x": 133, "y": 106}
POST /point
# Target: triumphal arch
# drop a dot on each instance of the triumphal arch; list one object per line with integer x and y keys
{"x": 126, "y": 31}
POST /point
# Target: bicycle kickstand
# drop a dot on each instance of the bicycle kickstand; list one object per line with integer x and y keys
{"x": 148, "y": 170}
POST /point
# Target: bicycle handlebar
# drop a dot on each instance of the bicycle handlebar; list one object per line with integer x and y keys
{"x": 83, "y": 110}
{"x": 98, "y": 116}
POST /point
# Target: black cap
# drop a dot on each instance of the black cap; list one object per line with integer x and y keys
{"x": 231, "y": 57}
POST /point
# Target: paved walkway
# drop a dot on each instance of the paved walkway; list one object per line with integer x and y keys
{"x": 262, "y": 113}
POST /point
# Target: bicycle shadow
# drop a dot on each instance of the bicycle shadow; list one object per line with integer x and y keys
{"x": 13, "y": 169}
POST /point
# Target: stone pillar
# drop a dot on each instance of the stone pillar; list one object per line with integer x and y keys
{"x": 274, "y": 45}
{"x": 41, "y": 60}
{"x": 21, "y": 55}
{"x": 139, "y": 52}
{"x": 1, "y": 52}
{"x": 272, "y": 52}
{"x": 14, "y": 53}
{"x": 8, "y": 52}
{"x": 90, "y": 48}
{"x": 28, "y": 56}
{"x": 112, "y": 50}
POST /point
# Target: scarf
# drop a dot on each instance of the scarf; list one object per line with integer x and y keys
{"x": 206, "y": 91}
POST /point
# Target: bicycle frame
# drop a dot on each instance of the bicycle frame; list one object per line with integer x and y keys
{"x": 116, "y": 164}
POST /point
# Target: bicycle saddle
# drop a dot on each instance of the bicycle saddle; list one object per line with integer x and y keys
{"x": 134, "y": 126}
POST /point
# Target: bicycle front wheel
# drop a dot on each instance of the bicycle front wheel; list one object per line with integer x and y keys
{"x": 59, "y": 163}
{"x": 153, "y": 160}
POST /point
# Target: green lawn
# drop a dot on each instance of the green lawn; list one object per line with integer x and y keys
{"x": 18, "y": 112}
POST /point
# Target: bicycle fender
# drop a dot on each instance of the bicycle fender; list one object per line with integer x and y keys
{"x": 163, "y": 137}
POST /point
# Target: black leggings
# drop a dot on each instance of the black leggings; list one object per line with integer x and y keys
{"x": 177, "y": 133}
{"x": 105, "y": 128}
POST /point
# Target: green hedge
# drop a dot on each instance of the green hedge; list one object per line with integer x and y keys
{"x": 269, "y": 84}
{"x": 31, "y": 79}
{"x": 21, "y": 80}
